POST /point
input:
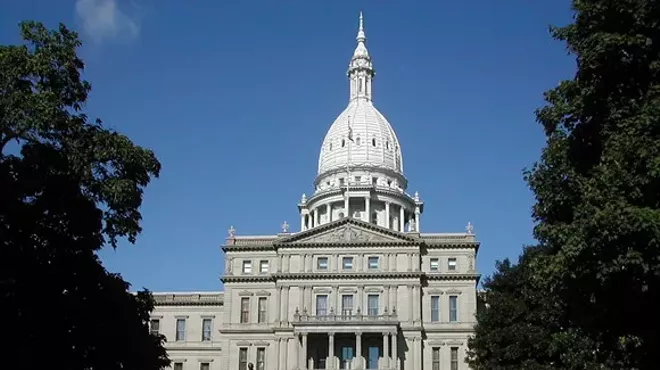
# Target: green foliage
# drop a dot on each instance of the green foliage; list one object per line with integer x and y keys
{"x": 597, "y": 192}
{"x": 69, "y": 188}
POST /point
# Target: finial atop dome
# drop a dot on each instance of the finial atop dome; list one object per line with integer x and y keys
{"x": 361, "y": 37}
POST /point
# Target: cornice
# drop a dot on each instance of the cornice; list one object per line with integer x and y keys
{"x": 347, "y": 275}
{"x": 453, "y": 277}
{"x": 246, "y": 278}
{"x": 188, "y": 299}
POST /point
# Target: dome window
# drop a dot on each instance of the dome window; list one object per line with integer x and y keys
{"x": 343, "y": 143}
{"x": 387, "y": 145}
{"x": 373, "y": 141}
{"x": 357, "y": 140}
{"x": 330, "y": 146}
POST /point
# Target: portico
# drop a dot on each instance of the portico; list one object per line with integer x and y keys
{"x": 346, "y": 348}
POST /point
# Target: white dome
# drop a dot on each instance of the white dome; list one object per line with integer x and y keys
{"x": 374, "y": 142}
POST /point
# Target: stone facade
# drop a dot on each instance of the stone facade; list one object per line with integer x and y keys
{"x": 358, "y": 287}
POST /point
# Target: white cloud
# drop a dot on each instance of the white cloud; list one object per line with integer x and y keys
{"x": 102, "y": 19}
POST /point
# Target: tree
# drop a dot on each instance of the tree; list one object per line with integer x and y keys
{"x": 69, "y": 187}
{"x": 597, "y": 184}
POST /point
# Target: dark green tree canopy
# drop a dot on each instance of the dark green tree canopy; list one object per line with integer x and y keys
{"x": 69, "y": 187}
{"x": 597, "y": 188}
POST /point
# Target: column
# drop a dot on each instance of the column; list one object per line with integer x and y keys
{"x": 278, "y": 353}
{"x": 328, "y": 210}
{"x": 296, "y": 350}
{"x": 410, "y": 304}
{"x": 346, "y": 202}
{"x": 386, "y": 300}
{"x": 301, "y": 298}
{"x": 415, "y": 303}
{"x": 395, "y": 291}
{"x": 395, "y": 351}
{"x": 367, "y": 211}
{"x": 387, "y": 215}
{"x": 331, "y": 350}
{"x": 386, "y": 351}
{"x": 402, "y": 220}
{"x": 360, "y": 295}
{"x": 316, "y": 217}
{"x": 302, "y": 222}
{"x": 304, "y": 351}
{"x": 417, "y": 228}
{"x": 278, "y": 306}
{"x": 283, "y": 300}
{"x": 413, "y": 356}
{"x": 285, "y": 355}
{"x": 418, "y": 351}
{"x": 358, "y": 349}
{"x": 287, "y": 295}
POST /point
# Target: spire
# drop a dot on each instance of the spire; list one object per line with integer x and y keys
{"x": 361, "y": 37}
{"x": 360, "y": 69}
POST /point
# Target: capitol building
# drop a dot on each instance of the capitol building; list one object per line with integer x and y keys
{"x": 359, "y": 286}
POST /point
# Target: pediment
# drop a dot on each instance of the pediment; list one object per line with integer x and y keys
{"x": 347, "y": 231}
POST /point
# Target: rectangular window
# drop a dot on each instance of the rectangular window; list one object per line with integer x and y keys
{"x": 245, "y": 309}
{"x": 453, "y": 308}
{"x": 204, "y": 366}
{"x": 435, "y": 308}
{"x": 263, "y": 266}
{"x": 347, "y": 304}
{"x": 451, "y": 264}
{"x": 434, "y": 264}
{"x": 322, "y": 263}
{"x": 321, "y": 305}
{"x": 435, "y": 364}
{"x": 372, "y": 305}
{"x": 262, "y": 310}
{"x": 454, "y": 358}
{"x": 261, "y": 358}
{"x": 242, "y": 359}
{"x": 373, "y": 263}
{"x": 154, "y": 326}
{"x": 247, "y": 267}
{"x": 347, "y": 263}
{"x": 180, "y": 329}
{"x": 206, "y": 330}
{"x": 178, "y": 366}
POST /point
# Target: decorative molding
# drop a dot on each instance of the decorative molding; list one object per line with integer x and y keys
{"x": 322, "y": 290}
{"x": 261, "y": 344}
{"x": 373, "y": 290}
{"x": 376, "y": 275}
{"x": 156, "y": 317}
{"x": 347, "y": 290}
{"x": 175, "y": 360}
{"x": 208, "y": 316}
{"x": 243, "y": 344}
{"x": 454, "y": 343}
{"x": 205, "y": 360}
{"x": 435, "y": 343}
{"x": 454, "y": 292}
{"x": 185, "y": 317}
{"x": 262, "y": 293}
{"x": 245, "y": 293}
{"x": 434, "y": 292}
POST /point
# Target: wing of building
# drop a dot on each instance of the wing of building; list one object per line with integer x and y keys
{"x": 358, "y": 287}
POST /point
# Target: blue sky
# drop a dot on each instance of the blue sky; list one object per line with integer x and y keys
{"x": 235, "y": 98}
